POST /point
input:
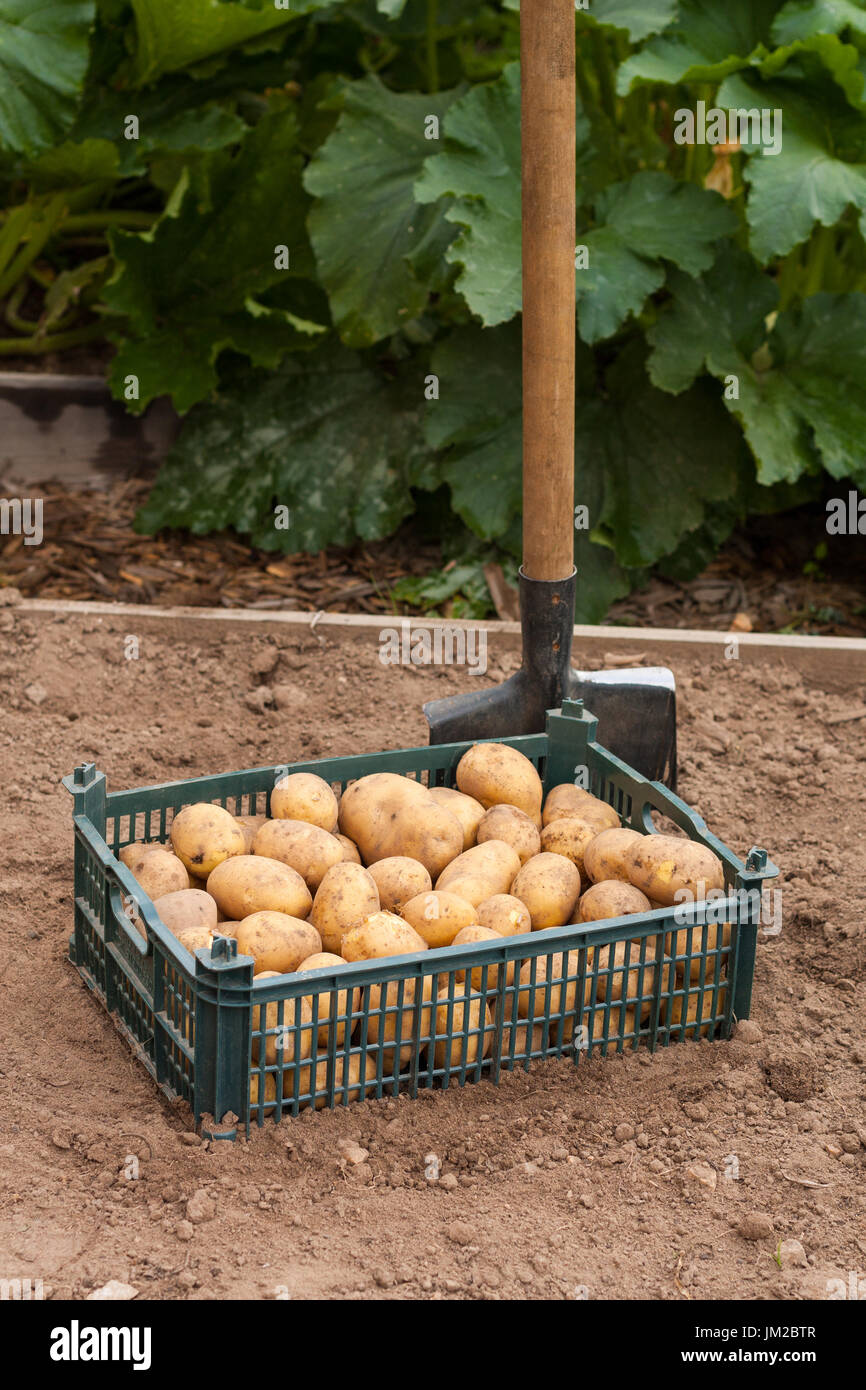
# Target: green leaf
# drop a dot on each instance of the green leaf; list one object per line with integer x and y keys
{"x": 174, "y": 34}
{"x": 69, "y": 165}
{"x": 639, "y": 18}
{"x": 707, "y": 42}
{"x": 365, "y": 222}
{"x": 801, "y": 388}
{"x": 819, "y": 171}
{"x": 191, "y": 286}
{"x": 480, "y": 168}
{"x": 282, "y": 440}
{"x": 643, "y": 220}
{"x": 392, "y": 8}
{"x": 44, "y": 52}
{"x": 478, "y": 422}
{"x": 662, "y": 460}
{"x": 802, "y": 19}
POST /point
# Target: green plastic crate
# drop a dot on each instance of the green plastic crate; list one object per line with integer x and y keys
{"x": 197, "y": 1022}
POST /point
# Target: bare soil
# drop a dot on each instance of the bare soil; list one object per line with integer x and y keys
{"x": 567, "y": 1182}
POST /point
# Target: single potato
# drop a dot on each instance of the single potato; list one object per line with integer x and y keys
{"x": 514, "y": 827}
{"x": 611, "y": 899}
{"x": 699, "y": 1006}
{"x": 677, "y": 944}
{"x": 470, "y": 1026}
{"x": 399, "y": 879}
{"x": 604, "y": 856}
{"x": 505, "y": 914}
{"x": 195, "y": 938}
{"x": 277, "y": 941}
{"x": 306, "y": 848}
{"x": 381, "y": 934}
{"x": 132, "y": 855}
{"x": 159, "y": 872}
{"x": 569, "y": 836}
{"x": 387, "y": 815}
{"x": 249, "y": 826}
{"x": 549, "y": 886}
{"x": 493, "y": 773}
{"x": 672, "y": 869}
{"x": 346, "y": 896}
{"x": 468, "y": 936}
{"x": 203, "y": 835}
{"x": 187, "y": 909}
{"x": 334, "y": 1008}
{"x": 494, "y": 863}
{"x": 251, "y": 883}
{"x": 621, "y": 1022}
{"x": 614, "y": 981}
{"x": 351, "y": 854}
{"x": 438, "y": 916}
{"x": 304, "y": 796}
{"x": 285, "y": 1039}
{"x": 521, "y": 1039}
{"x": 467, "y": 810}
{"x": 568, "y": 800}
{"x": 269, "y": 1105}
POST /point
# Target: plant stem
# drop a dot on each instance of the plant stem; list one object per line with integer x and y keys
{"x": 823, "y": 245}
{"x": 111, "y": 217}
{"x": 42, "y": 229}
{"x": 56, "y": 342}
{"x": 432, "y": 49}
{"x": 788, "y": 276}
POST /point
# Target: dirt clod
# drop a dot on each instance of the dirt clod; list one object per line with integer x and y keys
{"x": 792, "y": 1075}
{"x": 755, "y": 1225}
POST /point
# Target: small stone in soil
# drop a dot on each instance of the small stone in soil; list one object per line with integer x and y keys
{"x": 755, "y": 1225}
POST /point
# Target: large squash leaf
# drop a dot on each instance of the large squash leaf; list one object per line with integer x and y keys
{"x": 44, "y": 53}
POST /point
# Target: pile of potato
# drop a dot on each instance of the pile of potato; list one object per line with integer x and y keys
{"x": 394, "y": 868}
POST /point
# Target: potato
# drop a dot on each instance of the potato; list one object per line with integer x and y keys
{"x": 664, "y": 865}
{"x": 357, "y": 1084}
{"x": 493, "y": 773}
{"x": 466, "y": 1016}
{"x": 381, "y": 934}
{"x": 132, "y": 855}
{"x": 505, "y": 914}
{"x": 388, "y": 815}
{"x": 283, "y": 1041}
{"x": 494, "y": 863}
{"x": 467, "y": 810}
{"x": 251, "y": 883}
{"x": 604, "y": 856}
{"x": 476, "y": 933}
{"x": 526, "y": 1038}
{"x": 335, "y": 1007}
{"x": 622, "y": 1021}
{"x": 611, "y": 899}
{"x": 398, "y": 879}
{"x": 349, "y": 848}
{"x": 306, "y": 848}
{"x": 202, "y": 836}
{"x": 700, "y": 1005}
{"x": 159, "y": 872}
{"x": 531, "y": 1002}
{"x": 514, "y": 827}
{"x": 616, "y": 983}
{"x": 549, "y": 886}
{"x": 277, "y": 941}
{"x": 677, "y": 944}
{"x": 390, "y": 1011}
{"x": 304, "y": 796}
{"x": 227, "y": 928}
{"x": 187, "y": 909}
{"x": 195, "y": 938}
{"x": 568, "y": 800}
{"x": 569, "y": 836}
{"x": 346, "y": 896}
{"x": 438, "y": 917}
{"x": 270, "y": 1100}
{"x": 249, "y": 826}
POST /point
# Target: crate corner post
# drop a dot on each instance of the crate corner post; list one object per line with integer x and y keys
{"x": 89, "y": 791}
{"x": 570, "y": 730}
{"x": 223, "y": 1031}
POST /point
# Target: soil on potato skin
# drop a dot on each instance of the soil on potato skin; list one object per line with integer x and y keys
{"x": 570, "y": 1182}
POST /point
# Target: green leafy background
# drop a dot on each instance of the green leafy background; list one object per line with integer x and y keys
{"x": 302, "y": 225}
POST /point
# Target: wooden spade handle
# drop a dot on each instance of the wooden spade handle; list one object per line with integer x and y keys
{"x": 548, "y": 158}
